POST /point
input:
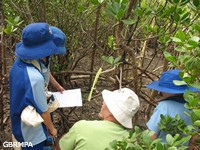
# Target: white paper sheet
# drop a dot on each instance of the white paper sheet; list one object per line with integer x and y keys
{"x": 69, "y": 98}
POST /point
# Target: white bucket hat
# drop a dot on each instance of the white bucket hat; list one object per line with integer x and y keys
{"x": 123, "y": 104}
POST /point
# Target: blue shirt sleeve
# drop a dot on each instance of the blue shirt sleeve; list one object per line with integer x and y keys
{"x": 38, "y": 89}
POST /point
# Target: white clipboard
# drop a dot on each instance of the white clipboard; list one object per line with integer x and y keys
{"x": 69, "y": 98}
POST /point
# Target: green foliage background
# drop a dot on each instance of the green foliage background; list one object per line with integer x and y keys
{"x": 120, "y": 34}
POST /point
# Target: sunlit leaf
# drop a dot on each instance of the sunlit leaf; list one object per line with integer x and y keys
{"x": 179, "y": 83}
{"x": 169, "y": 57}
{"x": 100, "y": 1}
{"x": 177, "y": 40}
{"x": 197, "y": 112}
{"x": 185, "y": 17}
{"x": 197, "y": 123}
{"x": 94, "y": 83}
{"x": 181, "y": 49}
{"x": 196, "y": 85}
{"x": 188, "y": 46}
{"x": 172, "y": 148}
{"x": 16, "y": 20}
{"x": 129, "y": 21}
{"x": 195, "y": 39}
{"x": 8, "y": 29}
{"x": 169, "y": 139}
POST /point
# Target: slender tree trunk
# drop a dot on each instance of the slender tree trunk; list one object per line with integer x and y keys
{"x": 124, "y": 47}
{"x": 94, "y": 46}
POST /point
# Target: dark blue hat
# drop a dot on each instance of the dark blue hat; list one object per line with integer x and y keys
{"x": 166, "y": 84}
{"x": 37, "y": 42}
{"x": 59, "y": 39}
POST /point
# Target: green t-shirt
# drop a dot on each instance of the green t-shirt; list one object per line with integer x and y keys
{"x": 92, "y": 135}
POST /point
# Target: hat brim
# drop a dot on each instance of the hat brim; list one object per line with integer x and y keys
{"x": 37, "y": 51}
{"x": 61, "y": 50}
{"x": 119, "y": 115}
{"x": 155, "y": 86}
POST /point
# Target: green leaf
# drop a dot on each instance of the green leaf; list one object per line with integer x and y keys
{"x": 183, "y": 2}
{"x": 158, "y": 142}
{"x": 196, "y": 3}
{"x": 129, "y": 21}
{"x": 172, "y": 148}
{"x": 139, "y": 12}
{"x": 116, "y": 60}
{"x": 181, "y": 49}
{"x": 196, "y": 85}
{"x": 10, "y": 20}
{"x": 16, "y": 20}
{"x": 185, "y": 17}
{"x": 193, "y": 41}
{"x": 177, "y": 40}
{"x": 110, "y": 10}
{"x": 100, "y": 1}
{"x": 169, "y": 57}
{"x": 170, "y": 1}
{"x": 95, "y": 2}
{"x": 169, "y": 139}
{"x": 197, "y": 123}
{"x": 189, "y": 46}
{"x": 108, "y": 59}
{"x": 185, "y": 139}
{"x": 197, "y": 112}
{"x": 19, "y": 23}
{"x": 137, "y": 129}
{"x": 159, "y": 146}
{"x": 120, "y": 14}
{"x": 179, "y": 83}
{"x": 8, "y": 29}
{"x": 111, "y": 59}
{"x": 180, "y": 35}
{"x": 110, "y": 40}
{"x": 194, "y": 117}
{"x": 176, "y": 1}
{"x": 136, "y": 147}
{"x": 177, "y": 17}
{"x": 116, "y": 7}
{"x": 113, "y": 144}
{"x": 197, "y": 27}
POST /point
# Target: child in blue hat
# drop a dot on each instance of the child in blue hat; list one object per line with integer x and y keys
{"x": 29, "y": 76}
{"x": 171, "y": 104}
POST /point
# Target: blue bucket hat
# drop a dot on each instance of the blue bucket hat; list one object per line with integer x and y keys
{"x": 166, "y": 85}
{"x": 37, "y": 42}
{"x": 59, "y": 39}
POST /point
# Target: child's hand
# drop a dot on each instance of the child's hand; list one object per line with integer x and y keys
{"x": 53, "y": 132}
{"x": 60, "y": 89}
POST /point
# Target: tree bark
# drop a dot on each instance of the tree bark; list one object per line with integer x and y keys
{"x": 94, "y": 46}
